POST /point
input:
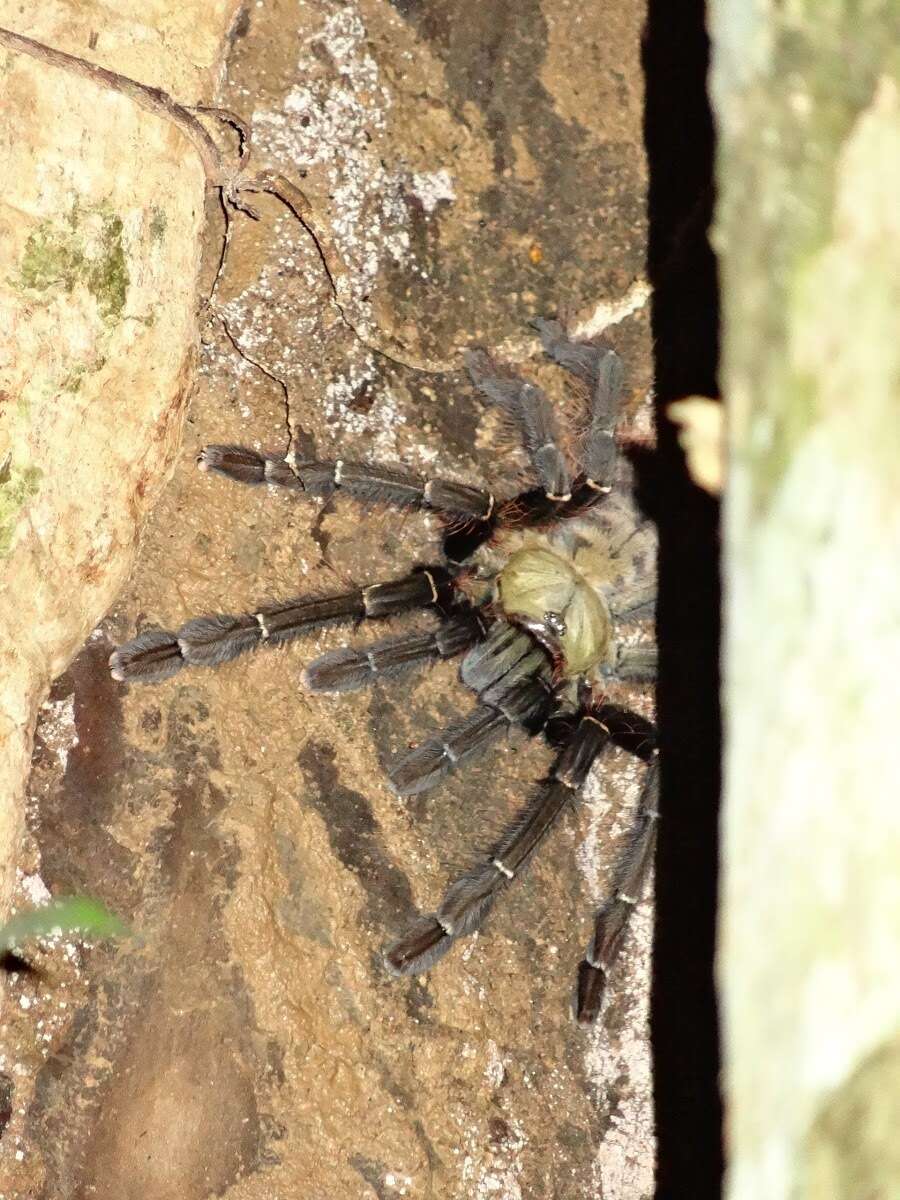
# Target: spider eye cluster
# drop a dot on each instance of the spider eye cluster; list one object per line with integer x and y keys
{"x": 548, "y": 592}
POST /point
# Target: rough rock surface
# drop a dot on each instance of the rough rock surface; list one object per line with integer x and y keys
{"x": 99, "y": 255}
{"x": 477, "y": 164}
{"x": 100, "y": 221}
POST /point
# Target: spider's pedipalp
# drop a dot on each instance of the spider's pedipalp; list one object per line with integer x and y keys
{"x": 599, "y": 450}
{"x": 533, "y": 413}
{"x": 612, "y": 920}
{"x": 541, "y": 442}
{"x": 594, "y": 363}
{"x": 600, "y": 368}
{"x": 347, "y": 669}
{"x": 577, "y": 357}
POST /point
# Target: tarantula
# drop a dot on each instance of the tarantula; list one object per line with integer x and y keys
{"x": 530, "y": 592}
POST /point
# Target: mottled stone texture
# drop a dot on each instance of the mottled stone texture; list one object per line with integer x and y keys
{"x": 100, "y": 214}
{"x": 476, "y": 164}
{"x": 100, "y": 220}
{"x": 808, "y": 100}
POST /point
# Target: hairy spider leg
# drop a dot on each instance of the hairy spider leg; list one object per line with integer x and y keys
{"x": 631, "y": 602}
{"x": 533, "y": 413}
{"x": 368, "y": 483}
{"x": 211, "y": 640}
{"x": 511, "y": 675}
{"x": 469, "y": 899}
{"x": 640, "y": 663}
{"x": 348, "y": 669}
{"x": 630, "y": 879}
{"x": 633, "y": 664}
{"x": 530, "y": 509}
{"x": 517, "y": 704}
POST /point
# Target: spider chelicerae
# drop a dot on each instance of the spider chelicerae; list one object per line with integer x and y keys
{"x": 536, "y": 592}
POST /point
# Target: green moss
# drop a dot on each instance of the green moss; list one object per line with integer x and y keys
{"x": 73, "y": 381}
{"x": 51, "y": 259}
{"x": 107, "y": 274}
{"x": 67, "y": 914}
{"x": 18, "y": 486}
{"x": 87, "y": 249}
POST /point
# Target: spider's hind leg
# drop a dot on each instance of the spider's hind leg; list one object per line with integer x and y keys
{"x": 630, "y": 879}
{"x": 468, "y": 900}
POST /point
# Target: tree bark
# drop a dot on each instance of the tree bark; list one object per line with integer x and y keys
{"x": 808, "y": 111}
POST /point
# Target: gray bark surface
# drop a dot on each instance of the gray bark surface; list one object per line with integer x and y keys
{"x": 808, "y": 110}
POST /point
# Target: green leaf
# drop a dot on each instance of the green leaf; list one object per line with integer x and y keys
{"x": 68, "y": 914}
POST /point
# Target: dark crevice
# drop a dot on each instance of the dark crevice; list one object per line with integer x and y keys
{"x": 679, "y": 140}
{"x": 355, "y": 836}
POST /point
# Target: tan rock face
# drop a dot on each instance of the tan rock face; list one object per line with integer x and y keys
{"x": 251, "y": 1044}
{"x": 99, "y": 220}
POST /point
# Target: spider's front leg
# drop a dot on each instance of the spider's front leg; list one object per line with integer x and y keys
{"x": 368, "y": 483}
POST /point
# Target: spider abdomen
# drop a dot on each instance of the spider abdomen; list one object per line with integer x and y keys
{"x": 555, "y": 600}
